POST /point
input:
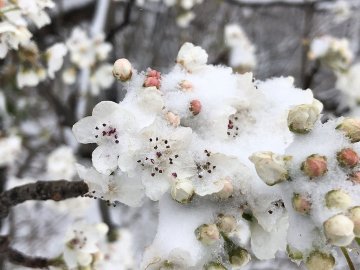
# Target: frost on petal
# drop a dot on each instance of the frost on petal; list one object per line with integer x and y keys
{"x": 105, "y": 159}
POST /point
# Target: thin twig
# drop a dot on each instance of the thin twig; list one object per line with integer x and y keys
{"x": 41, "y": 190}
{"x": 125, "y": 21}
{"x": 347, "y": 257}
{"x": 279, "y": 3}
{"x": 16, "y": 257}
{"x": 106, "y": 217}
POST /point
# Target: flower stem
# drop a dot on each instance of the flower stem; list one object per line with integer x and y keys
{"x": 347, "y": 257}
{"x": 357, "y": 239}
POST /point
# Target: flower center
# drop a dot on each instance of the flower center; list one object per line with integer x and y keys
{"x": 106, "y": 131}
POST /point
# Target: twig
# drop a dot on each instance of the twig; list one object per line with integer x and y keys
{"x": 41, "y": 190}
{"x": 260, "y": 3}
{"x": 106, "y": 217}
{"x": 16, "y": 257}
{"x": 125, "y": 21}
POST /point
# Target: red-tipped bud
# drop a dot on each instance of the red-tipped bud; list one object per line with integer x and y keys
{"x": 195, "y": 107}
{"x": 347, "y": 158}
{"x": 314, "y": 166}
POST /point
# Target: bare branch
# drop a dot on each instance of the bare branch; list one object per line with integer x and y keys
{"x": 124, "y": 23}
{"x": 278, "y": 3}
{"x": 41, "y": 190}
{"x": 16, "y": 257}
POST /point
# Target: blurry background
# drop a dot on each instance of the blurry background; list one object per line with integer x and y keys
{"x": 149, "y": 33}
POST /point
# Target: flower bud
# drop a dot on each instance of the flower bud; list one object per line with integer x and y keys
{"x": 293, "y": 253}
{"x": 301, "y": 204}
{"x": 355, "y": 177}
{"x": 173, "y": 119}
{"x": 122, "y": 70}
{"x": 186, "y": 86}
{"x": 301, "y": 119}
{"x": 271, "y": 168}
{"x": 214, "y": 266}
{"x": 239, "y": 257}
{"x": 337, "y": 199}
{"x": 318, "y": 260}
{"x": 182, "y": 191}
{"x": 354, "y": 215}
{"x": 207, "y": 234}
{"x": 314, "y": 166}
{"x": 339, "y": 230}
{"x": 195, "y": 107}
{"x": 227, "y": 191}
{"x": 351, "y": 128}
{"x": 153, "y": 73}
{"x": 347, "y": 158}
{"x": 152, "y": 81}
{"x": 226, "y": 223}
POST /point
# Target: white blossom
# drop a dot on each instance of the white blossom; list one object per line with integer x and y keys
{"x": 61, "y": 163}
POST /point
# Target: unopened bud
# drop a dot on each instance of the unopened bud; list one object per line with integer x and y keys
{"x": 214, "y": 266}
{"x": 186, "y": 86}
{"x": 314, "y": 166}
{"x": 351, "y": 128}
{"x": 207, "y": 234}
{"x": 271, "y": 168}
{"x": 347, "y": 158}
{"x": 354, "y": 215}
{"x": 337, "y": 199}
{"x": 153, "y": 73}
{"x": 227, "y": 190}
{"x": 173, "y": 119}
{"x": 122, "y": 70}
{"x": 294, "y": 253}
{"x": 301, "y": 204}
{"x": 195, "y": 107}
{"x": 239, "y": 257}
{"x": 320, "y": 261}
{"x": 301, "y": 119}
{"x": 226, "y": 223}
{"x": 355, "y": 177}
{"x": 339, "y": 230}
{"x": 152, "y": 81}
{"x": 182, "y": 191}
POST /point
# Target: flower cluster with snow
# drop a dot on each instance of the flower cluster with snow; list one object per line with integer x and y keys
{"x": 243, "y": 162}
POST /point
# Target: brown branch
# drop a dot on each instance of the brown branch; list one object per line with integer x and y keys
{"x": 41, "y": 190}
{"x": 278, "y": 3}
{"x": 125, "y": 21}
{"x": 16, "y": 257}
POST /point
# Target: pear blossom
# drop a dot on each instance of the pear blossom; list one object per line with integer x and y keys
{"x": 30, "y": 77}
{"x": 55, "y": 55}
{"x": 11, "y": 37}
{"x": 81, "y": 243}
{"x": 191, "y": 57}
{"x": 109, "y": 127}
{"x": 114, "y": 188}
{"x": 102, "y": 78}
{"x": 10, "y": 148}
{"x": 242, "y": 52}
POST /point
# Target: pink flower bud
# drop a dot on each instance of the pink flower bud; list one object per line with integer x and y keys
{"x": 347, "y": 158}
{"x": 355, "y": 177}
{"x": 314, "y": 166}
{"x": 195, "y": 107}
{"x": 351, "y": 128}
{"x": 186, "y": 86}
{"x": 301, "y": 204}
{"x": 153, "y": 73}
{"x": 122, "y": 70}
{"x": 152, "y": 81}
{"x": 173, "y": 119}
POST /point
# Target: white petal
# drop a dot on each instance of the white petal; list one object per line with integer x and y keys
{"x": 83, "y": 130}
{"x": 105, "y": 159}
{"x": 155, "y": 187}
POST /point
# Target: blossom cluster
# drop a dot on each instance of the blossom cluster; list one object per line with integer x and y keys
{"x": 15, "y": 17}
{"x": 242, "y": 161}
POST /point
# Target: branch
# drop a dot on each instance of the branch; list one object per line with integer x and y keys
{"x": 278, "y": 3}
{"x": 16, "y": 257}
{"x": 124, "y": 23}
{"x": 41, "y": 190}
